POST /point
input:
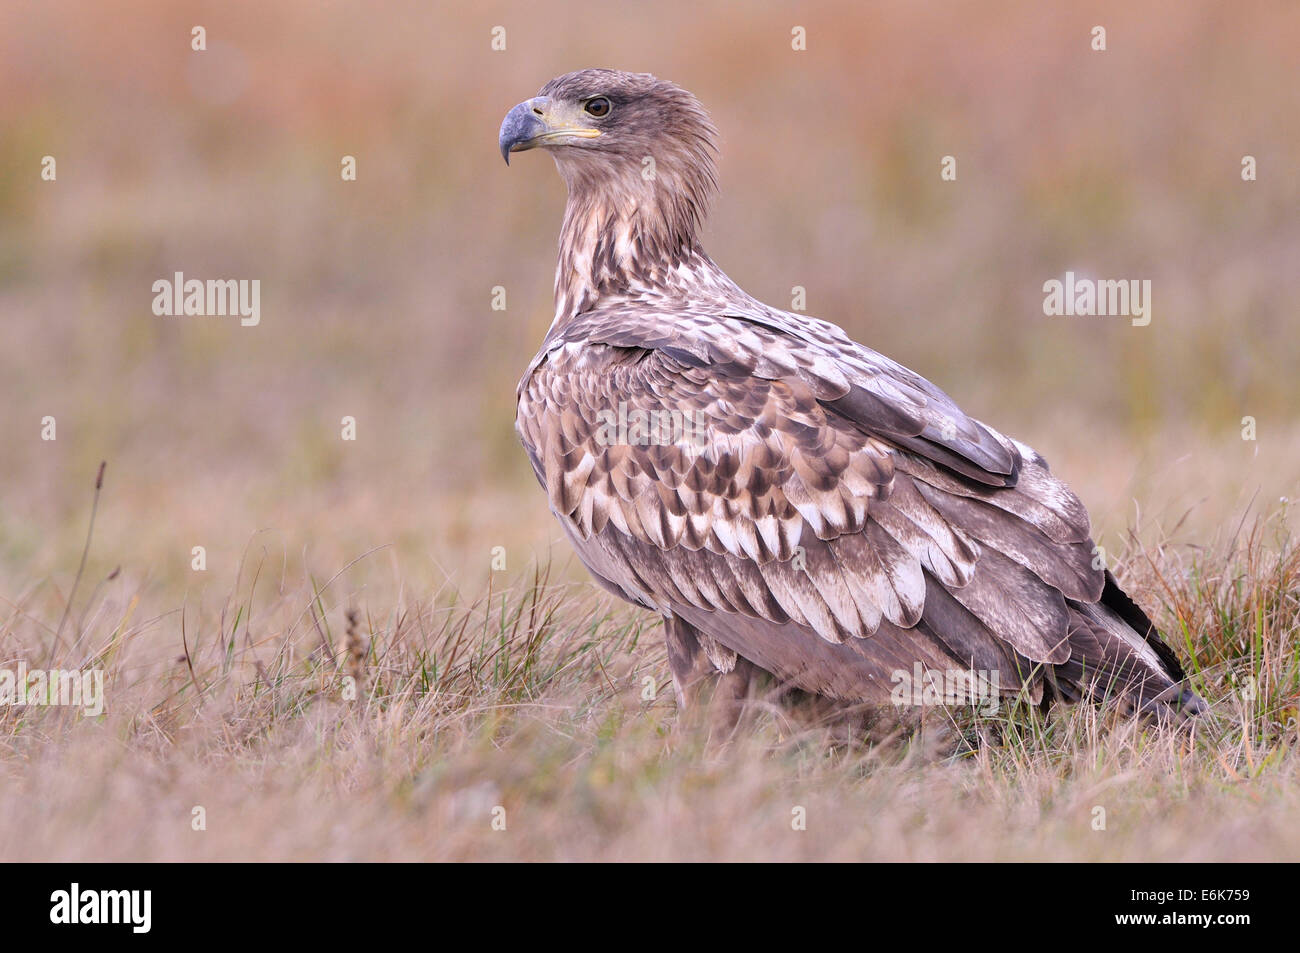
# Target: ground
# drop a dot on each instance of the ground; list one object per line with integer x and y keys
{"x": 489, "y": 672}
{"x": 302, "y": 718}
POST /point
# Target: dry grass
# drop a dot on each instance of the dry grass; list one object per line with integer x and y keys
{"x": 523, "y": 688}
{"x": 333, "y": 719}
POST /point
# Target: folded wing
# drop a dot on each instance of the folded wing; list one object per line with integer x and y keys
{"x": 809, "y": 504}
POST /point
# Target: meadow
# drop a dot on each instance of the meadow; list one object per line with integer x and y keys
{"x": 494, "y": 684}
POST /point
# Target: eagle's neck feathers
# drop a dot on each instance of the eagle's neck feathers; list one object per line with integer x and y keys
{"x": 630, "y": 229}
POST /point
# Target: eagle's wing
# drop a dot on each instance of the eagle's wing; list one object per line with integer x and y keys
{"x": 802, "y": 490}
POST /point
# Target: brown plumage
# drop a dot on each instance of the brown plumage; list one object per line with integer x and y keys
{"x": 785, "y": 497}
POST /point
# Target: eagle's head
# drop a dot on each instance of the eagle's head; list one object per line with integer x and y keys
{"x": 623, "y": 141}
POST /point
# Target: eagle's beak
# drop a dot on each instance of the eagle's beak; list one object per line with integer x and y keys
{"x": 538, "y": 122}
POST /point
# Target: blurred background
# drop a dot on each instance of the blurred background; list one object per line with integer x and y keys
{"x": 376, "y": 294}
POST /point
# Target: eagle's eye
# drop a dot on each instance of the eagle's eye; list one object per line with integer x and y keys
{"x": 597, "y": 107}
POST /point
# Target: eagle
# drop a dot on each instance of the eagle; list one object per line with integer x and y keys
{"x": 787, "y": 499}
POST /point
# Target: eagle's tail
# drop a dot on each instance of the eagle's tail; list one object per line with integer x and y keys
{"x": 1116, "y": 652}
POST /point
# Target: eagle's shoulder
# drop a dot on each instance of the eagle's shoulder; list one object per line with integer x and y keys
{"x": 733, "y": 334}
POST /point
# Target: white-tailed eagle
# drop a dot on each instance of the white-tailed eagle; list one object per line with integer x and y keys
{"x": 783, "y": 496}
